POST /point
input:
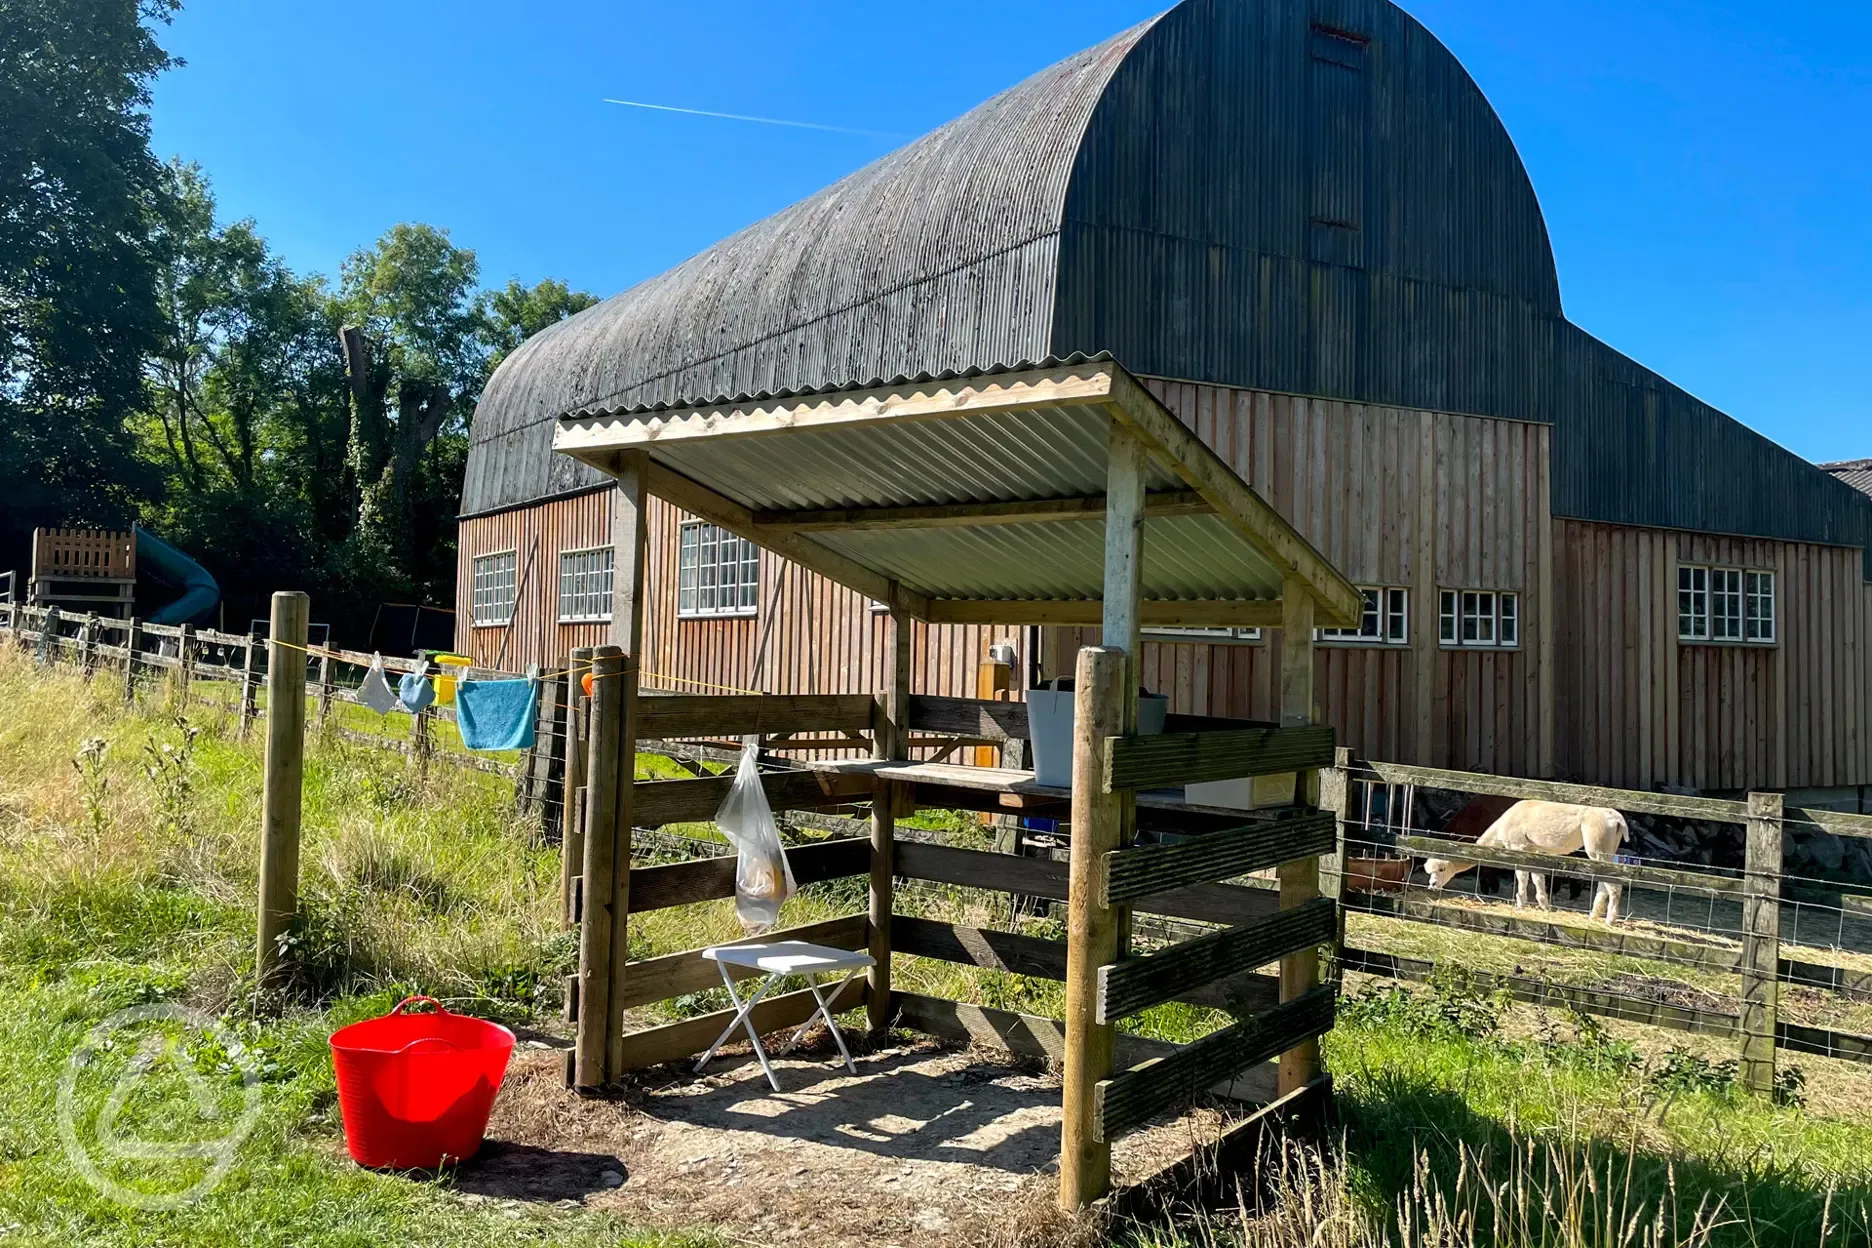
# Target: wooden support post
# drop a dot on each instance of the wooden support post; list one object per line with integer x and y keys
{"x": 1105, "y": 706}
{"x": 324, "y": 687}
{"x": 185, "y": 659}
{"x": 1299, "y": 880}
{"x": 1761, "y": 941}
{"x": 1092, "y": 930}
{"x": 1335, "y": 788}
{"x": 285, "y": 768}
{"x": 600, "y": 869}
{"x": 630, "y": 536}
{"x": 572, "y": 829}
{"x": 890, "y": 738}
{"x": 132, "y": 635}
{"x": 247, "y": 707}
{"x": 422, "y": 740}
{"x": 87, "y": 644}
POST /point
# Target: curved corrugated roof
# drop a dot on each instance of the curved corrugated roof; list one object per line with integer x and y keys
{"x": 938, "y": 256}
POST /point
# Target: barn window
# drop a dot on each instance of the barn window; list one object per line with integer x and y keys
{"x": 1760, "y": 607}
{"x": 1479, "y": 618}
{"x": 717, "y": 572}
{"x": 585, "y": 584}
{"x": 492, "y": 588}
{"x": 1725, "y": 604}
{"x": 1202, "y": 634}
{"x": 1385, "y": 621}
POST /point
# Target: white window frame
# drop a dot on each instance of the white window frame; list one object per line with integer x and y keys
{"x": 1479, "y": 619}
{"x": 486, "y": 579}
{"x": 1385, "y": 621}
{"x": 1758, "y": 607}
{"x": 1726, "y": 606}
{"x": 581, "y": 601}
{"x": 698, "y": 583}
{"x": 1214, "y": 636}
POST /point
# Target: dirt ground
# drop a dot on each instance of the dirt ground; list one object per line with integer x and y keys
{"x": 928, "y": 1144}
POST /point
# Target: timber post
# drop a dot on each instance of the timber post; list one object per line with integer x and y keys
{"x": 1299, "y": 879}
{"x": 1092, "y": 928}
{"x": 132, "y": 630}
{"x": 572, "y": 827}
{"x": 1105, "y": 705}
{"x": 1335, "y": 790}
{"x": 890, "y": 738}
{"x": 1761, "y": 941}
{"x": 185, "y": 661}
{"x": 284, "y": 774}
{"x": 87, "y": 645}
{"x": 630, "y": 537}
{"x": 247, "y": 707}
{"x": 600, "y": 867}
{"x": 324, "y": 687}
{"x": 422, "y": 741}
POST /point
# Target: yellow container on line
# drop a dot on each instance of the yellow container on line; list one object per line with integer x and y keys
{"x": 456, "y": 666}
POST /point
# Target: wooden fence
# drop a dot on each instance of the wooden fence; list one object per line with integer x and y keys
{"x": 1759, "y": 895}
{"x": 204, "y": 664}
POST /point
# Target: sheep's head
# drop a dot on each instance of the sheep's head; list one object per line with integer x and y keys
{"x": 1443, "y": 870}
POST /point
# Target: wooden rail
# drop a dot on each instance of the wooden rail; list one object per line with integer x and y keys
{"x": 710, "y": 879}
{"x": 1129, "y": 1100}
{"x": 1193, "y": 757}
{"x": 1140, "y": 871}
{"x": 657, "y": 802}
{"x": 1585, "y": 868}
{"x": 1134, "y": 984}
{"x": 678, "y": 974}
{"x": 739, "y": 715}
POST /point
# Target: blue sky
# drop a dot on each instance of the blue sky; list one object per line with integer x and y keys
{"x": 1705, "y": 165}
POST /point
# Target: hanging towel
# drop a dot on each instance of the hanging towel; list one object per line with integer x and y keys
{"x": 414, "y": 691}
{"x": 375, "y": 692}
{"x": 496, "y": 714}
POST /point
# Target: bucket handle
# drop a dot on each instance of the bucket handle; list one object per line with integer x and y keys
{"x": 439, "y": 1007}
{"x": 452, "y": 1048}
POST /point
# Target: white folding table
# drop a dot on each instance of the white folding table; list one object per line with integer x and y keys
{"x": 780, "y": 959}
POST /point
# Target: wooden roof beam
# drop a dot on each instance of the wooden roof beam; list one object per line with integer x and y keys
{"x": 698, "y": 500}
{"x": 1340, "y": 602}
{"x": 1158, "y": 504}
{"x": 1153, "y": 613}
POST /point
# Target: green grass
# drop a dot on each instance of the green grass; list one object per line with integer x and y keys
{"x": 121, "y": 887}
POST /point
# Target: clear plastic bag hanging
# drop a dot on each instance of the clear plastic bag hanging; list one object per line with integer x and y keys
{"x": 763, "y": 878}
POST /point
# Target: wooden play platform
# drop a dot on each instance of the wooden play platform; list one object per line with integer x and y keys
{"x": 1060, "y": 494}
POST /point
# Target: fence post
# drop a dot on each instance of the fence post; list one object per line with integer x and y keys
{"x": 1300, "y": 879}
{"x": 1092, "y": 929}
{"x": 185, "y": 661}
{"x": 422, "y": 744}
{"x": 1761, "y": 941}
{"x": 324, "y": 687}
{"x": 87, "y": 644}
{"x": 1335, "y": 787}
{"x": 131, "y": 637}
{"x": 285, "y": 769}
{"x": 590, "y": 1067}
{"x": 572, "y": 825}
{"x": 247, "y": 707}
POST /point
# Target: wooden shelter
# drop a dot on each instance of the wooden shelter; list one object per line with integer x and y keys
{"x": 1057, "y": 493}
{"x": 85, "y": 570}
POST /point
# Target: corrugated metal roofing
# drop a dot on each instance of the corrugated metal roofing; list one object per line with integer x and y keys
{"x": 1854, "y": 472}
{"x": 966, "y": 449}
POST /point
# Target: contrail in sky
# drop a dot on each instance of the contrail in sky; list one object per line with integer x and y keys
{"x": 765, "y": 121}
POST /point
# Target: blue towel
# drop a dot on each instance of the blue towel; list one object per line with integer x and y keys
{"x": 495, "y": 714}
{"x": 415, "y": 692}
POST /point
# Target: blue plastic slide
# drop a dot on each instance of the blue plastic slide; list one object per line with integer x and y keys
{"x": 169, "y": 566}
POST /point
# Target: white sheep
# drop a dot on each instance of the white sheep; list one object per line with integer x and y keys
{"x": 1549, "y": 828}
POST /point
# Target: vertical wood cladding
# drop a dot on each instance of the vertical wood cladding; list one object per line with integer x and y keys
{"x": 1639, "y": 708}
{"x": 808, "y": 636}
{"x": 1393, "y": 497}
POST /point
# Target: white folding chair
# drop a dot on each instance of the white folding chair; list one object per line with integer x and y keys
{"x": 780, "y": 959}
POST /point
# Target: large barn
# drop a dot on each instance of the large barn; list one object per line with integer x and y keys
{"x": 1302, "y": 224}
